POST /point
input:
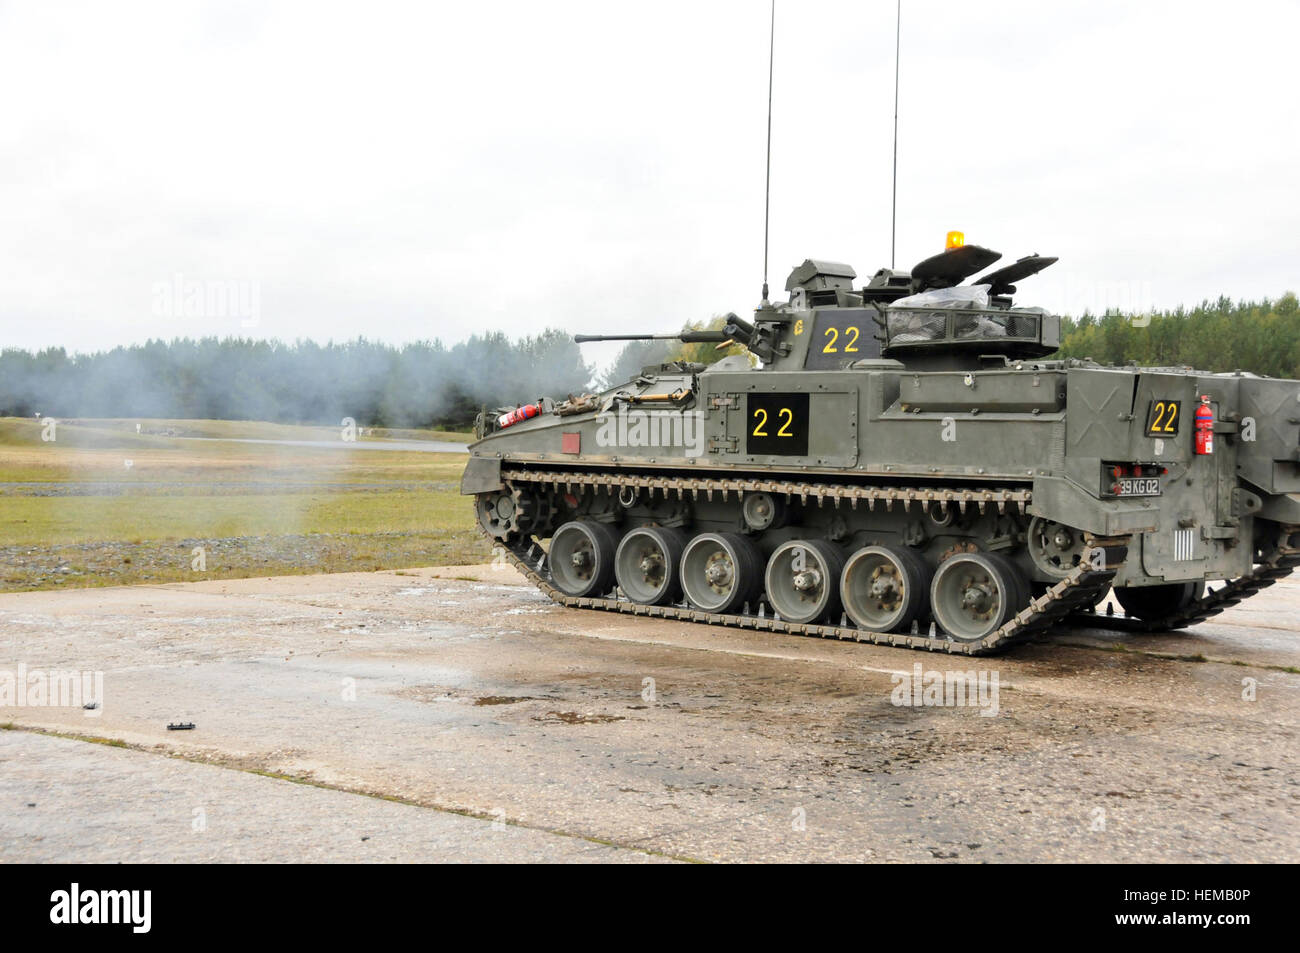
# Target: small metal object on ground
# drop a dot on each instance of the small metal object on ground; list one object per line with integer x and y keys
{"x": 181, "y": 726}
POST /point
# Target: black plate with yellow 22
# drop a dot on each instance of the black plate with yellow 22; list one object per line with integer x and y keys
{"x": 777, "y": 425}
{"x": 1163, "y": 418}
{"x": 840, "y": 336}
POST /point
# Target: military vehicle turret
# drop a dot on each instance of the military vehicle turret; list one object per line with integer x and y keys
{"x": 900, "y": 462}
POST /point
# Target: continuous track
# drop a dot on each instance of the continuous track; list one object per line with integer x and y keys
{"x": 1085, "y": 584}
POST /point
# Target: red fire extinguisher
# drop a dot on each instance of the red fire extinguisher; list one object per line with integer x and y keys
{"x": 1204, "y": 426}
{"x": 519, "y": 414}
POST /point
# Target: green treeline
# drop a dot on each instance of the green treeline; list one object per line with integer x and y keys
{"x": 1258, "y": 336}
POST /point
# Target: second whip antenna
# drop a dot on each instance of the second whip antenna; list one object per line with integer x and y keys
{"x": 767, "y": 188}
{"x": 893, "y": 204}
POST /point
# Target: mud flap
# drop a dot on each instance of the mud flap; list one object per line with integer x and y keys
{"x": 1065, "y": 502}
{"x": 482, "y": 475}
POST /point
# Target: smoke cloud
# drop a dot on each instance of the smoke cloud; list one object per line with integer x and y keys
{"x": 416, "y": 385}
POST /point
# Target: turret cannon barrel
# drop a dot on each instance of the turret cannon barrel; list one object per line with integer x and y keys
{"x": 688, "y": 337}
{"x": 735, "y": 329}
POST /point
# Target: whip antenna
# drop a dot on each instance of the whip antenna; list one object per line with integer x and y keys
{"x": 893, "y": 205}
{"x": 767, "y": 188}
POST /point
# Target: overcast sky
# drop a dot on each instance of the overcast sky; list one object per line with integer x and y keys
{"x": 408, "y": 171}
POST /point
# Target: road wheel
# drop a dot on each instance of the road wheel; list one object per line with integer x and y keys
{"x": 581, "y": 558}
{"x": 1055, "y": 548}
{"x": 647, "y": 565}
{"x": 720, "y": 572}
{"x": 974, "y": 594}
{"x": 803, "y": 580}
{"x": 885, "y": 588}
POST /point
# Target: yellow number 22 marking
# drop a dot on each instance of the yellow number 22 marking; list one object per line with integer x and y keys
{"x": 851, "y": 343}
{"x": 1162, "y": 424}
{"x": 785, "y": 413}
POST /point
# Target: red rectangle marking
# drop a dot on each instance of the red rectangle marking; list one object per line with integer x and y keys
{"x": 570, "y": 443}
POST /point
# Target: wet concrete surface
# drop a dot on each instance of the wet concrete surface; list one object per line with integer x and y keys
{"x": 66, "y": 800}
{"x": 462, "y": 690}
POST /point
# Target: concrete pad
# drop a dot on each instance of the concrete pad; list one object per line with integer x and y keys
{"x": 461, "y": 689}
{"x": 64, "y": 800}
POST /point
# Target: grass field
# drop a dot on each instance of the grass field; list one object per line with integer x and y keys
{"x": 102, "y": 504}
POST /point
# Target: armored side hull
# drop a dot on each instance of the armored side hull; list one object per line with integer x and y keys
{"x": 888, "y": 480}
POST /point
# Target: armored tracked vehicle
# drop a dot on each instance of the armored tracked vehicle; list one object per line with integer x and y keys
{"x": 900, "y": 462}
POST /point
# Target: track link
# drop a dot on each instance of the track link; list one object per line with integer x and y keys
{"x": 1103, "y": 558}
